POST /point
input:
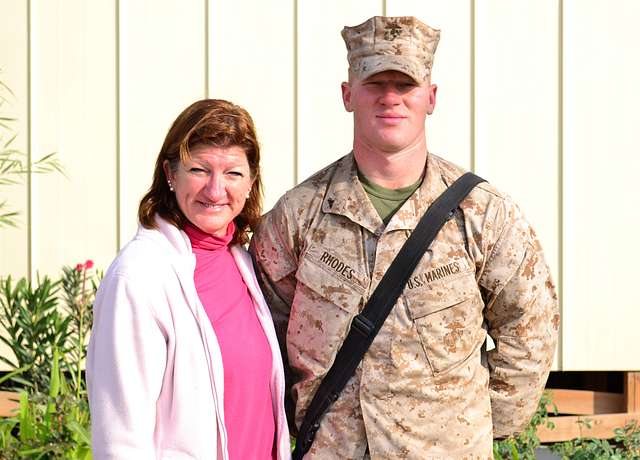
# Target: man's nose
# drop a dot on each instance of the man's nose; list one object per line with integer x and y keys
{"x": 390, "y": 95}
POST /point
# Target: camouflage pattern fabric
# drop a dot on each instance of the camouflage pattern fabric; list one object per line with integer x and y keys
{"x": 399, "y": 43}
{"x": 426, "y": 388}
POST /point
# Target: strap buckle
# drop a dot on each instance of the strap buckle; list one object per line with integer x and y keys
{"x": 362, "y": 325}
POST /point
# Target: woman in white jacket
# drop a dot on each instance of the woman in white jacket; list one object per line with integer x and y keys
{"x": 183, "y": 361}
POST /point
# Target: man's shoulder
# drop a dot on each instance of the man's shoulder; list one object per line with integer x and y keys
{"x": 450, "y": 172}
{"x": 314, "y": 187}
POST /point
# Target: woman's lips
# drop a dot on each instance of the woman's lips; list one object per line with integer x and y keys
{"x": 212, "y": 206}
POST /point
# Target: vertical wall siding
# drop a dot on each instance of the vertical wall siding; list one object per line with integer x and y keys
{"x": 73, "y": 114}
{"x": 539, "y": 97}
{"x": 516, "y": 108}
{"x": 516, "y": 117}
{"x": 325, "y": 129}
{"x": 449, "y": 129}
{"x": 252, "y": 63}
{"x": 14, "y": 72}
{"x": 161, "y": 71}
{"x": 602, "y": 161}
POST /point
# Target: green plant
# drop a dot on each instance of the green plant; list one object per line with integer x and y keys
{"x": 524, "y": 444}
{"x": 78, "y": 297}
{"x": 34, "y": 327}
{"x": 625, "y": 445}
{"x": 36, "y": 324}
{"x": 629, "y": 437}
{"x": 47, "y": 326}
{"x": 48, "y": 426}
{"x": 14, "y": 164}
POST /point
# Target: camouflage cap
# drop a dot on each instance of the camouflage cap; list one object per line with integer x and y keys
{"x": 391, "y": 43}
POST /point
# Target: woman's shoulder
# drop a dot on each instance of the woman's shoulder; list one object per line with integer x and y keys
{"x": 144, "y": 257}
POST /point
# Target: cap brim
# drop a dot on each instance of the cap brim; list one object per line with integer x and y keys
{"x": 372, "y": 65}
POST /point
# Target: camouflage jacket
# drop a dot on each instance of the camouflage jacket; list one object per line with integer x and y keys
{"x": 426, "y": 387}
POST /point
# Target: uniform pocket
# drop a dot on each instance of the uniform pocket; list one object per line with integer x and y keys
{"x": 447, "y": 316}
{"x": 326, "y": 299}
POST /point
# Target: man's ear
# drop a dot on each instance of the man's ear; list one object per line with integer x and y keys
{"x": 433, "y": 89}
{"x": 346, "y": 96}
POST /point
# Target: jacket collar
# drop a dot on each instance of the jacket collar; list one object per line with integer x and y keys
{"x": 173, "y": 240}
{"x": 345, "y": 196}
{"x": 177, "y": 247}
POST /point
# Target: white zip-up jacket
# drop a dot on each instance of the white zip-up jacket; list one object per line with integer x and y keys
{"x": 154, "y": 369}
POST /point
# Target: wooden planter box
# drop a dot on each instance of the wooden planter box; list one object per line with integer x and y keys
{"x": 8, "y": 403}
{"x": 593, "y": 414}
{"x": 602, "y": 411}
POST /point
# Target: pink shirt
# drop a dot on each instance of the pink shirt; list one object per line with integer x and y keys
{"x": 246, "y": 356}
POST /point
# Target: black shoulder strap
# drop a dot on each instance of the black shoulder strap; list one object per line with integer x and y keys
{"x": 366, "y": 325}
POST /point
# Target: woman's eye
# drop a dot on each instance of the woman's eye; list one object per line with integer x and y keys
{"x": 236, "y": 173}
{"x": 196, "y": 170}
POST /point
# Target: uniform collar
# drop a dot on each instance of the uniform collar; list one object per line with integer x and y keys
{"x": 345, "y": 196}
{"x": 408, "y": 216}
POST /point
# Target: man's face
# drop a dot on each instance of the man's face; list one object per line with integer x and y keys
{"x": 389, "y": 109}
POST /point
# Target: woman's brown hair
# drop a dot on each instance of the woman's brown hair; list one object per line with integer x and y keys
{"x": 213, "y": 122}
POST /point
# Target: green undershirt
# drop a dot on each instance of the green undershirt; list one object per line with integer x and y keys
{"x": 386, "y": 200}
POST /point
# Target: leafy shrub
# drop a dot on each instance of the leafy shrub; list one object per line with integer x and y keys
{"x": 47, "y": 328}
{"x": 625, "y": 445}
{"x": 48, "y": 426}
{"x": 523, "y": 445}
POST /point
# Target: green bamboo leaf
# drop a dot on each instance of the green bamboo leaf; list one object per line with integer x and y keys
{"x": 10, "y": 141}
{"x": 86, "y": 453}
{"x": 6, "y": 88}
{"x": 82, "y": 433}
{"x": 27, "y": 428}
{"x": 21, "y": 381}
{"x": 14, "y": 373}
{"x": 54, "y": 386}
{"x": 9, "y": 219}
{"x": 30, "y": 452}
{"x": 514, "y": 452}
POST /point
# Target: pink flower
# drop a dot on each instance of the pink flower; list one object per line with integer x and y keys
{"x": 79, "y": 267}
{"x": 88, "y": 264}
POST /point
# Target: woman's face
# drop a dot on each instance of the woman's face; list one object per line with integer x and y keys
{"x": 212, "y": 186}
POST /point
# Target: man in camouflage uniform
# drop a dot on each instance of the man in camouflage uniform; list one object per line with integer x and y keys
{"x": 426, "y": 387}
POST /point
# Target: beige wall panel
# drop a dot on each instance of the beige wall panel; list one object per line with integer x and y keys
{"x": 449, "y": 128}
{"x": 73, "y": 114}
{"x": 516, "y": 111}
{"x": 14, "y": 72}
{"x": 601, "y": 165}
{"x": 14, "y": 68}
{"x": 516, "y": 108}
{"x": 162, "y": 71}
{"x": 255, "y": 69}
{"x": 325, "y": 129}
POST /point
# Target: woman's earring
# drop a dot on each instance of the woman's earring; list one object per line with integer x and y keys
{"x": 170, "y": 186}
{"x": 248, "y": 194}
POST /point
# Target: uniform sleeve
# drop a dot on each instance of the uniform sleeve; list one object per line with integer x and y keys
{"x": 522, "y": 317}
{"x": 125, "y": 366}
{"x": 274, "y": 254}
